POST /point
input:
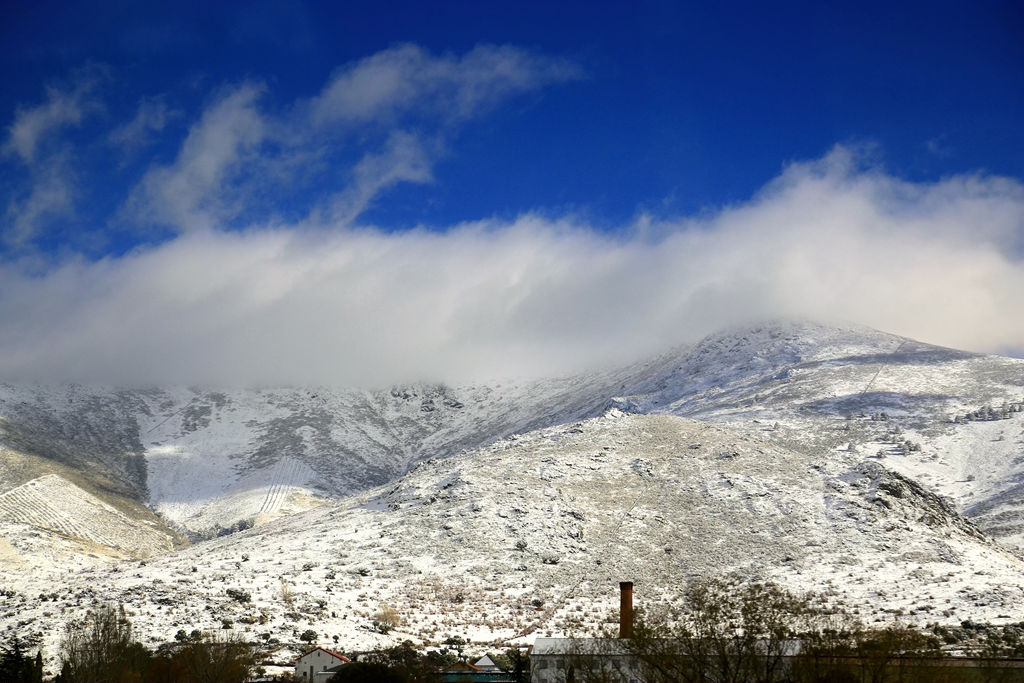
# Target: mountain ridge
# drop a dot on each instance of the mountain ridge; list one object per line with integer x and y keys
{"x": 163, "y": 447}
{"x": 856, "y": 463}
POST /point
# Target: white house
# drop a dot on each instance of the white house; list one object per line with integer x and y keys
{"x": 564, "y": 660}
{"x": 317, "y": 661}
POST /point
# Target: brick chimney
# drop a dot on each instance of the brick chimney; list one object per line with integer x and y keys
{"x": 626, "y": 609}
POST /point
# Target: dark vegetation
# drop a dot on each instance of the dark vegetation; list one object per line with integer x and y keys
{"x": 101, "y": 649}
{"x": 986, "y": 413}
{"x": 19, "y": 666}
{"x": 723, "y": 631}
{"x": 404, "y": 664}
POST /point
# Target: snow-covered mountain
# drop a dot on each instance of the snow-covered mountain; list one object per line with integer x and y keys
{"x": 212, "y": 460}
{"x": 886, "y": 473}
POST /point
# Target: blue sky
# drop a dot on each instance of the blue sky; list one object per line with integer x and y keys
{"x": 276, "y": 146}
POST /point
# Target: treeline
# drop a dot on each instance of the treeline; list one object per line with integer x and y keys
{"x": 101, "y": 649}
{"x": 18, "y": 666}
{"x": 404, "y": 664}
{"x": 725, "y": 631}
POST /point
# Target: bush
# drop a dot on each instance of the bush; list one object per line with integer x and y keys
{"x": 386, "y": 619}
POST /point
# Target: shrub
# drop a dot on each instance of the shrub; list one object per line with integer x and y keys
{"x": 386, "y": 619}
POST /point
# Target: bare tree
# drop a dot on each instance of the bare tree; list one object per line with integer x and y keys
{"x": 100, "y": 649}
{"x": 721, "y": 632}
{"x": 217, "y": 659}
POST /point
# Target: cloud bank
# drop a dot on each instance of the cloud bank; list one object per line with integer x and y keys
{"x": 261, "y": 270}
{"x": 297, "y": 304}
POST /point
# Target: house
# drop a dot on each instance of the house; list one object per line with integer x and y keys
{"x": 318, "y": 661}
{"x": 561, "y": 660}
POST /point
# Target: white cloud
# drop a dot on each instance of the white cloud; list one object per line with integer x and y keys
{"x": 50, "y": 194}
{"x": 368, "y": 120}
{"x": 942, "y": 262}
{"x": 403, "y": 159}
{"x": 195, "y": 192}
{"x": 408, "y": 77}
{"x": 152, "y": 116}
{"x": 63, "y": 107}
{"x": 31, "y": 124}
{"x": 34, "y": 139}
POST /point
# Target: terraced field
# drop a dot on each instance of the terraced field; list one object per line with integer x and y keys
{"x": 53, "y": 503}
{"x": 285, "y": 472}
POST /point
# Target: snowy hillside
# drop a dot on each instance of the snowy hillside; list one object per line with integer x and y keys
{"x": 886, "y": 473}
{"x": 815, "y": 389}
{"x": 53, "y": 503}
{"x": 530, "y": 536}
{"x": 212, "y": 460}
{"x": 209, "y": 461}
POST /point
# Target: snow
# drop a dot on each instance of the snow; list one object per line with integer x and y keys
{"x": 53, "y": 503}
{"x": 755, "y": 451}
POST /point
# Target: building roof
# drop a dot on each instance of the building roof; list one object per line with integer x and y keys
{"x": 461, "y": 666}
{"x": 485, "y": 662}
{"x": 580, "y": 646}
{"x": 333, "y": 654}
{"x": 614, "y": 647}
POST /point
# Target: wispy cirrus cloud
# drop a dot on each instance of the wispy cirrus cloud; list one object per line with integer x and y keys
{"x": 202, "y": 188}
{"x": 151, "y": 117}
{"x": 373, "y": 125}
{"x": 64, "y": 106}
{"x": 48, "y": 189}
{"x": 403, "y": 158}
{"x": 50, "y": 194}
{"x": 407, "y": 78}
{"x": 835, "y": 237}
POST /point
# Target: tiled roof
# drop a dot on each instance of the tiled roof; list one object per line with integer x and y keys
{"x": 333, "y": 654}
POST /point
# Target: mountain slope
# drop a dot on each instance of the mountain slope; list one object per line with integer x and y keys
{"x": 816, "y": 388}
{"x": 210, "y": 461}
{"x": 531, "y": 535}
{"x": 884, "y": 473}
{"x": 53, "y": 503}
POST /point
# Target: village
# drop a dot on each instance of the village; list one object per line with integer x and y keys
{"x": 723, "y": 632}
{"x": 767, "y": 648}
